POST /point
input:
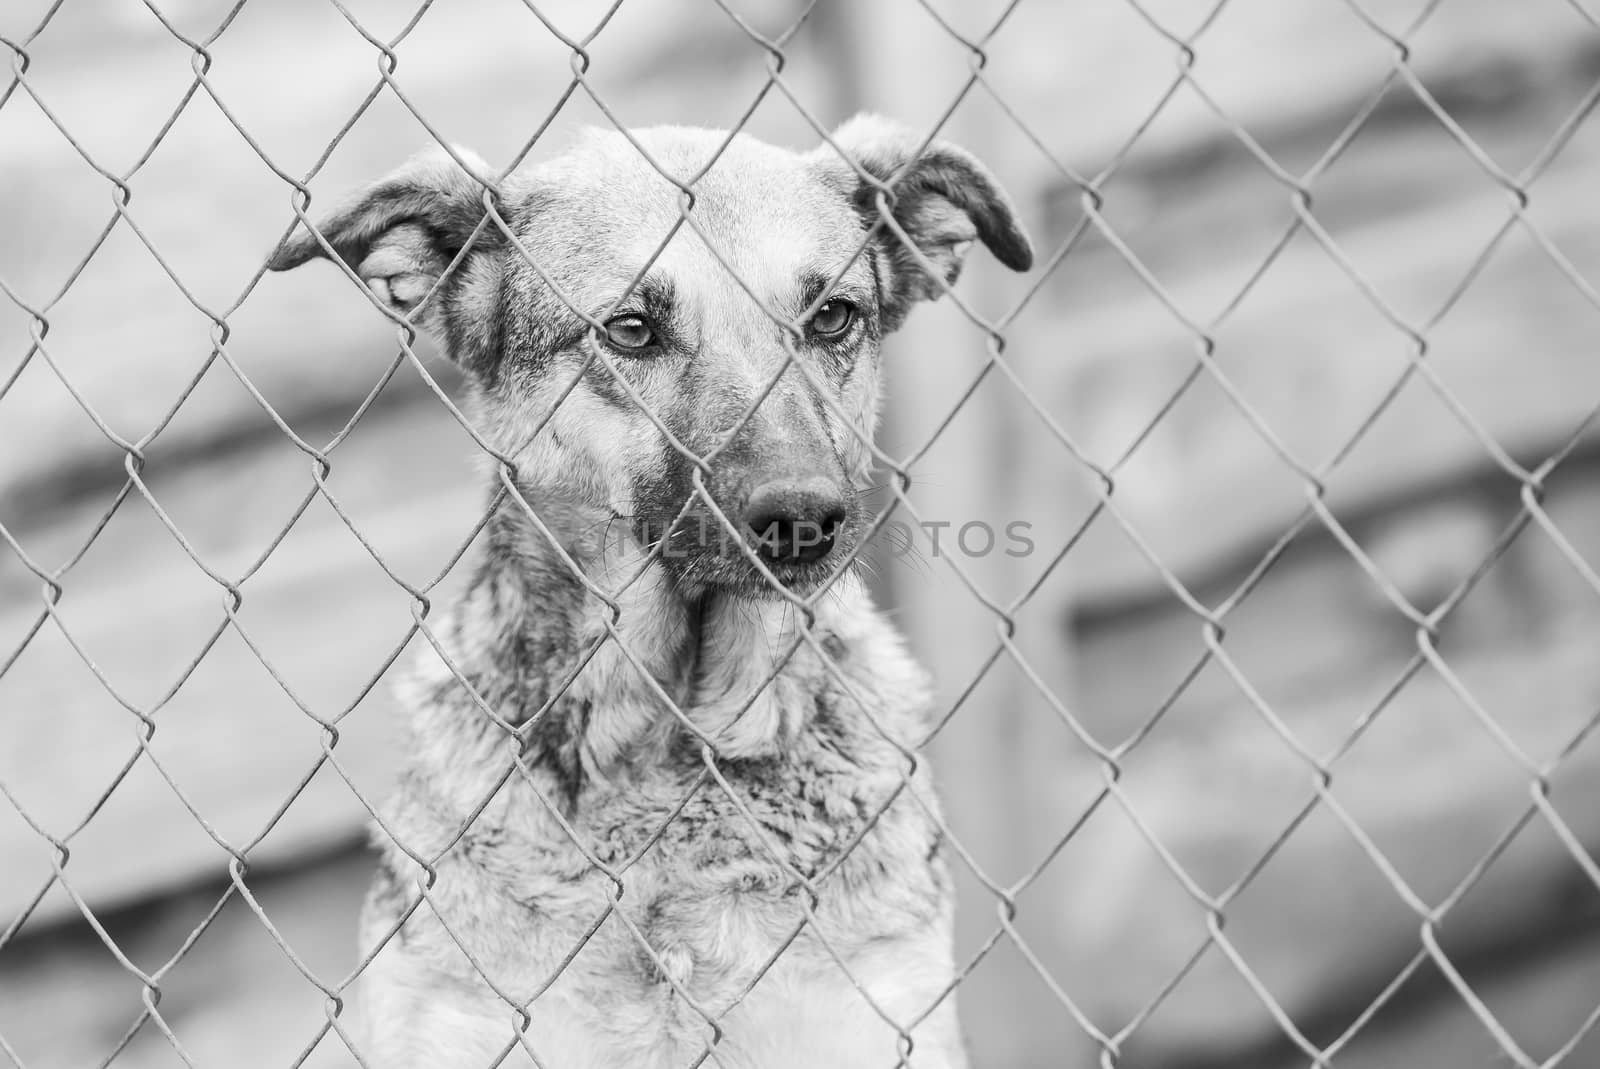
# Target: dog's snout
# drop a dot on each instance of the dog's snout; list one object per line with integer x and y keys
{"x": 795, "y": 521}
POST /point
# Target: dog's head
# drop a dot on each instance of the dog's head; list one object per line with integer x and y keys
{"x": 713, "y": 381}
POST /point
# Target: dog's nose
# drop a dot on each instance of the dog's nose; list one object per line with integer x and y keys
{"x": 795, "y": 521}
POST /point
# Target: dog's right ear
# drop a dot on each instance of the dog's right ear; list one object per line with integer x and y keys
{"x": 944, "y": 200}
{"x": 400, "y": 234}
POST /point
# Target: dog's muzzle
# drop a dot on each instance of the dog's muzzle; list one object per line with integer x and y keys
{"x": 771, "y": 514}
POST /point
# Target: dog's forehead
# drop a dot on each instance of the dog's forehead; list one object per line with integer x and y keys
{"x": 765, "y": 212}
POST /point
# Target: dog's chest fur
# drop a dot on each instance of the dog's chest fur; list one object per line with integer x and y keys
{"x": 713, "y": 859}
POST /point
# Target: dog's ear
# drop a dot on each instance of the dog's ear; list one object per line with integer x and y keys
{"x": 944, "y": 199}
{"x": 401, "y": 233}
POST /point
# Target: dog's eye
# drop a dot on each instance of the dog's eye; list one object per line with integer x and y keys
{"x": 833, "y": 317}
{"x": 630, "y": 332}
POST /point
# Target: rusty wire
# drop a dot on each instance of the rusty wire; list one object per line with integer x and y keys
{"x": 1320, "y": 770}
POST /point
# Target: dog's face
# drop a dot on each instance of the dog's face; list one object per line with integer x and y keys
{"x": 717, "y": 391}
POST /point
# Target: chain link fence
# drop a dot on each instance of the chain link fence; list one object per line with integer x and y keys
{"x": 1118, "y": 884}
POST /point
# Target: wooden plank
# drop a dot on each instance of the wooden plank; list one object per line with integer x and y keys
{"x": 233, "y": 999}
{"x": 237, "y": 746}
{"x": 1542, "y": 995}
{"x": 1428, "y": 783}
{"x": 1312, "y": 359}
{"x": 1086, "y": 78}
{"x": 1322, "y": 926}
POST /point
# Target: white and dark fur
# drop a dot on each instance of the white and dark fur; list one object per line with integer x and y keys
{"x": 527, "y": 690}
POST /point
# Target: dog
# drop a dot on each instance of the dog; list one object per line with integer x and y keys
{"x": 661, "y": 804}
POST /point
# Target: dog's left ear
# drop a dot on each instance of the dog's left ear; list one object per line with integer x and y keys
{"x": 944, "y": 199}
{"x": 401, "y": 233}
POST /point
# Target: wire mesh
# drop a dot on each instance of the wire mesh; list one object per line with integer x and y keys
{"x": 1319, "y": 763}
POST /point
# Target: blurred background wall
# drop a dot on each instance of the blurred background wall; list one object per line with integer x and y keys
{"x": 1278, "y": 269}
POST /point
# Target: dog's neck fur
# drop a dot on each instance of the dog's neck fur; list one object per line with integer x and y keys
{"x": 532, "y": 641}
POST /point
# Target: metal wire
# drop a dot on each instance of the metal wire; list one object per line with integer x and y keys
{"x": 1320, "y": 770}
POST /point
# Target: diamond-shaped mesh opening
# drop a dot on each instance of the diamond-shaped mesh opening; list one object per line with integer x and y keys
{"x": 1250, "y": 537}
